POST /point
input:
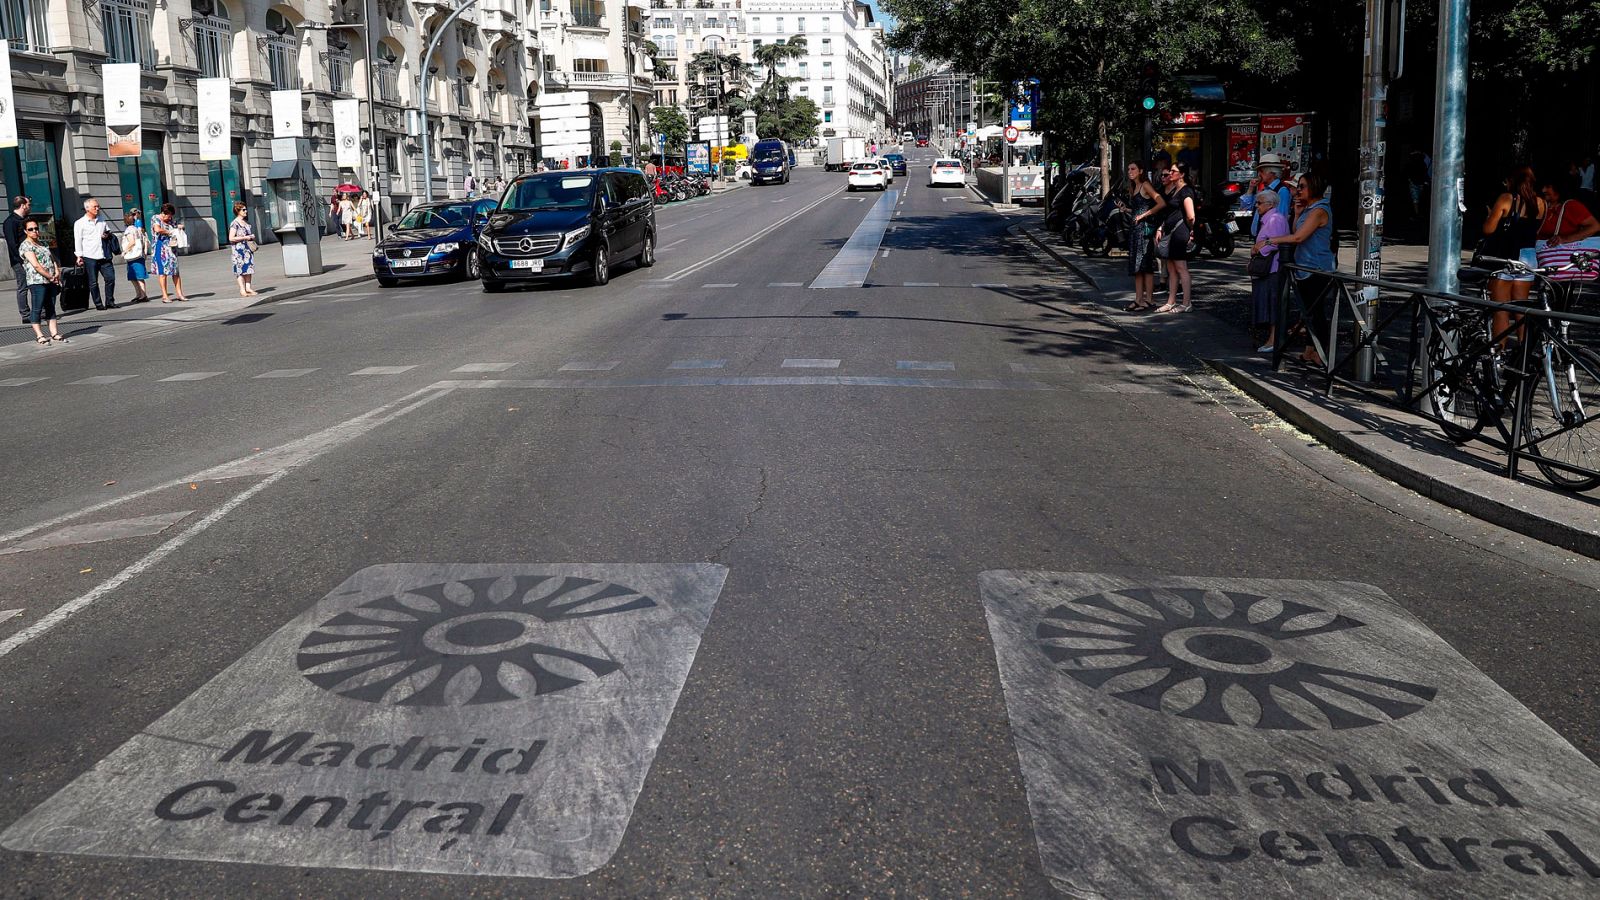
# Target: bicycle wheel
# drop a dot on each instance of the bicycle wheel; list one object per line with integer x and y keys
{"x": 1453, "y": 361}
{"x": 1566, "y": 424}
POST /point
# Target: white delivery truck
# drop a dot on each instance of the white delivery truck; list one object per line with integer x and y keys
{"x": 842, "y": 151}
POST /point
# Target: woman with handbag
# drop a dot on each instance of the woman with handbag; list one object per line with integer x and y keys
{"x": 243, "y": 240}
{"x": 135, "y": 248}
{"x": 169, "y": 232}
{"x": 1174, "y": 236}
{"x": 1266, "y": 282}
{"x": 44, "y": 281}
{"x": 1147, "y": 204}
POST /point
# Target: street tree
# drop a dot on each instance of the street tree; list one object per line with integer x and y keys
{"x": 669, "y": 122}
{"x": 1088, "y": 54}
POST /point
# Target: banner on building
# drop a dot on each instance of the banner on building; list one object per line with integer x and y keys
{"x": 120, "y": 92}
{"x": 216, "y": 124}
{"x": 8, "y": 109}
{"x": 347, "y": 133}
{"x": 287, "y": 117}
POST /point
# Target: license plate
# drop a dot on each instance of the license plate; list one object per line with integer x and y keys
{"x": 532, "y": 265}
{"x": 1233, "y": 227}
{"x": 407, "y": 263}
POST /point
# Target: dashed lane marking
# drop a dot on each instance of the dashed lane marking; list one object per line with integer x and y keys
{"x": 286, "y": 373}
{"x": 811, "y": 363}
{"x": 786, "y": 284}
{"x": 590, "y": 366}
{"x": 989, "y": 284}
{"x": 698, "y": 364}
{"x": 191, "y": 376}
{"x": 383, "y": 370}
{"x": 721, "y": 284}
{"x": 19, "y": 382}
{"x": 921, "y": 284}
{"x": 981, "y": 384}
{"x": 482, "y": 367}
{"x": 103, "y": 379}
{"x": 9, "y": 614}
{"x": 924, "y": 365}
{"x": 95, "y": 532}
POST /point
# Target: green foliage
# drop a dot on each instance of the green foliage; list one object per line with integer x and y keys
{"x": 669, "y": 122}
{"x": 795, "y": 120}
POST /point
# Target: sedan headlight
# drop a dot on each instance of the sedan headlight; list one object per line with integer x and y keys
{"x": 446, "y": 247}
{"x": 572, "y": 237}
{"x": 485, "y": 242}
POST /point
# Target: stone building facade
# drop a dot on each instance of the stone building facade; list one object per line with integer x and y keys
{"x": 487, "y": 69}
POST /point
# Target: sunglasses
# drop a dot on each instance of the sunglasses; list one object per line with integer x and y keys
{"x": 35, "y": 230}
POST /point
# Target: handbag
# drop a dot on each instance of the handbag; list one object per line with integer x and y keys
{"x": 1164, "y": 246}
{"x": 132, "y": 244}
{"x": 180, "y": 238}
{"x": 1260, "y": 265}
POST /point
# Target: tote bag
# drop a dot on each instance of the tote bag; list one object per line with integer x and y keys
{"x": 1557, "y": 256}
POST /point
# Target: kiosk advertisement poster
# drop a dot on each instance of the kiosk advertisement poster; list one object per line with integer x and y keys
{"x": 1286, "y": 136}
{"x": 698, "y": 155}
{"x": 123, "y": 123}
{"x": 1243, "y": 137}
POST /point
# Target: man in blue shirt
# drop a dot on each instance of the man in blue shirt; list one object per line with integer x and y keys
{"x": 1269, "y": 177}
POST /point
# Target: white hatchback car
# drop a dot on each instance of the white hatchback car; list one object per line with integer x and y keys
{"x": 864, "y": 175}
{"x": 946, "y": 171}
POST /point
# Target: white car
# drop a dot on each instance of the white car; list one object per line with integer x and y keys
{"x": 888, "y": 169}
{"x": 864, "y": 175}
{"x": 946, "y": 171}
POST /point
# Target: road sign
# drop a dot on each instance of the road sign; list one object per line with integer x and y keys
{"x": 1012, "y": 134}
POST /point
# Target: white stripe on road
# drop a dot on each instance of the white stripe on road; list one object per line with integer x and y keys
{"x": 698, "y": 364}
{"x": 286, "y": 373}
{"x": 483, "y": 367}
{"x": 9, "y": 614}
{"x": 103, "y": 379}
{"x": 850, "y": 266}
{"x": 383, "y": 370}
{"x": 721, "y": 284}
{"x": 989, "y": 284}
{"x": 19, "y": 382}
{"x": 729, "y": 251}
{"x": 192, "y": 376}
{"x": 786, "y": 284}
{"x": 939, "y": 366}
{"x": 673, "y": 244}
{"x": 811, "y": 363}
{"x": 589, "y": 366}
{"x": 921, "y": 284}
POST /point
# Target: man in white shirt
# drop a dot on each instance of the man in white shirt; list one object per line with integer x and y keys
{"x": 92, "y": 233}
{"x": 469, "y": 185}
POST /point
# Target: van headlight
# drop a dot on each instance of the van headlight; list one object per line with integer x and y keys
{"x": 574, "y": 236}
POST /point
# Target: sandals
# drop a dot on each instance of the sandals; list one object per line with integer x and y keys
{"x": 58, "y": 338}
{"x": 1136, "y": 306}
{"x": 41, "y": 339}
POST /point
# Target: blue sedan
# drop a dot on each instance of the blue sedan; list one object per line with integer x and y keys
{"x": 432, "y": 239}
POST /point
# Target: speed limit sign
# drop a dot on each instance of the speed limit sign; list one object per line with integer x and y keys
{"x": 1012, "y": 134}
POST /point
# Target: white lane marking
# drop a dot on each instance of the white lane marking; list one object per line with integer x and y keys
{"x": 784, "y": 200}
{"x": 921, "y": 284}
{"x": 483, "y": 367}
{"x": 673, "y": 244}
{"x": 721, "y": 284}
{"x": 95, "y": 532}
{"x": 293, "y": 302}
{"x": 729, "y": 251}
{"x": 589, "y": 366}
{"x": 811, "y": 363}
{"x": 19, "y": 382}
{"x": 72, "y": 607}
{"x": 851, "y": 265}
{"x": 191, "y": 376}
{"x": 937, "y": 366}
{"x": 698, "y": 364}
{"x": 286, "y": 456}
{"x": 103, "y": 379}
{"x": 695, "y": 219}
{"x": 9, "y": 614}
{"x": 989, "y": 284}
{"x": 885, "y": 254}
{"x": 786, "y": 284}
{"x": 383, "y": 370}
{"x": 286, "y": 373}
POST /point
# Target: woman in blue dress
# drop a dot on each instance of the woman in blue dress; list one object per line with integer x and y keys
{"x": 243, "y": 240}
{"x": 165, "y": 256}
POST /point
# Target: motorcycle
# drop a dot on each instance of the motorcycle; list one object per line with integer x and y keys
{"x": 1114, "y": 224}
{"x": 1214, "y": 226}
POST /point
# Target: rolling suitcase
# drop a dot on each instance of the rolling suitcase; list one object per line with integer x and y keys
{"x": 74, "y": 290}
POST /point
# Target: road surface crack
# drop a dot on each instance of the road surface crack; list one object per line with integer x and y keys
{"x": 749, "y": 516}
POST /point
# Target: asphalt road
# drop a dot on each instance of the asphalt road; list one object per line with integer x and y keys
{"x": 854, "y": 457}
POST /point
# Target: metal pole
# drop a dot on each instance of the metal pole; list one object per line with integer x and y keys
{"x": 372, "y": 126}
{"x": 1369, "y": 240}
{"x": 422, "y": 101}
{"x": 1449, "y": 148}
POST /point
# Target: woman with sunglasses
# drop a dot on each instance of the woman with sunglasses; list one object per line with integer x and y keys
{"x": 44, "y": 279}
{"x": 1177, "y": 231}
{"x": 1312, "y": 239}
{"x": 1147, "y": 204}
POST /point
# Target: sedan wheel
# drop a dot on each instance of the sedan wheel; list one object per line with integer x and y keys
{"x": 471, "y": 268}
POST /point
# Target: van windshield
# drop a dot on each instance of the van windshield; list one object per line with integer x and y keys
{"x": 551, "y": 191}
{"x": 768, "y": 154}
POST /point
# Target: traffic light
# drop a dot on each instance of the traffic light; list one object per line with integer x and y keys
{"x": 1149, "y": 81}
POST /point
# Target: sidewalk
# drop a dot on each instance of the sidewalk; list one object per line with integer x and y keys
{"x": 1402, "y": 447}
{"x": 208, "y": 282}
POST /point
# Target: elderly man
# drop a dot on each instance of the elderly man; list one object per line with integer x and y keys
{"x": 1269, "y": 177}
{"x": 92, "y": 234}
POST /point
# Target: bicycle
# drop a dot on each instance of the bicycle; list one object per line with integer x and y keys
{"x": 1473, "y": 375}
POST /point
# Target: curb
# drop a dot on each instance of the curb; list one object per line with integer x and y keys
{"x": 1450, "y": 490}
{"x": 311, "y": 289}
{"x": 1385, "y": 462}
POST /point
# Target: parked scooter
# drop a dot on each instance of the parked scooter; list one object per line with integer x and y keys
{"x": 1114, "y": 222}
{"x": 1214, "y": 226}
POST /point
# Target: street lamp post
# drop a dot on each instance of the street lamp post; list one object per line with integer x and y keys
{"x": 422, "y": 100}
{"x": 372, "y": 109}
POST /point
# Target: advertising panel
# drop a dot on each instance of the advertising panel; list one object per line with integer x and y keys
{"x": 1286, "y": 136}
{"x": 698, "y": 154}
{"x": 8, "y": 110}
{"x": 347, "y": 133}
{"x": 216, "y": 129}
{"x": 287, "y": 117}
{"x": 120, "y": 87}
{"x": 1242, "y": 140}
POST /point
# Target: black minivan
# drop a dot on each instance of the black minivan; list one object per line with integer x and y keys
{"x": 554, "y": 225}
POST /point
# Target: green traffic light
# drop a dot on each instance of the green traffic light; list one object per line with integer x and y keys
{"x": 1148, "y": 103}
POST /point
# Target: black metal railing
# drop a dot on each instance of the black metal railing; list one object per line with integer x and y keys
{"x": 1523, "y": 378}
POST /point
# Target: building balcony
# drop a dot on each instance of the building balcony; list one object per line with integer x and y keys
{"x": 500, "y": 20}
{"x": 614, "y": 81}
